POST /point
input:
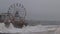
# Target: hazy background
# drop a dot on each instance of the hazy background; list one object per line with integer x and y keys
{"x": 36, "y": 9}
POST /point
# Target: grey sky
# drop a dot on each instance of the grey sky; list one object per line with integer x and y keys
{"x": 37, "y": 9}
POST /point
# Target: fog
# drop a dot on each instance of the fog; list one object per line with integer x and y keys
{"x": 36, "y": 9}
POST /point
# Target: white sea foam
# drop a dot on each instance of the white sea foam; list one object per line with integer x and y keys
{"x": 37, "y": 28}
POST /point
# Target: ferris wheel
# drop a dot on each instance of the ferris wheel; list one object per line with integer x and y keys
{"x": 17, "y": 10}
{"x": 16, "y": 15}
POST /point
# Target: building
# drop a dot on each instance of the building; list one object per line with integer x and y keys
{"x": 3, "y": 16}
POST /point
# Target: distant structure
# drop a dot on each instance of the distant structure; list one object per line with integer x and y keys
{"x": 15, "y": 15}
{"x": 3, "y": 17}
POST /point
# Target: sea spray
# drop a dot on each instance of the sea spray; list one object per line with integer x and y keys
{"x": 37, "y": 28}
